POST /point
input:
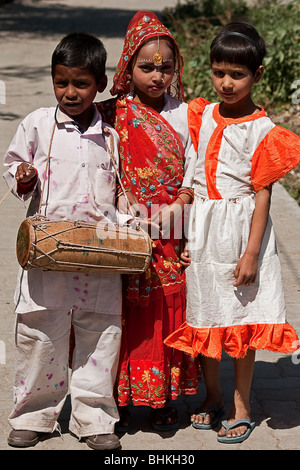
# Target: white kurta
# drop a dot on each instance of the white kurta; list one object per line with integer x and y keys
{"x": 80, "y": 185}
{"x": 233, "y": 159}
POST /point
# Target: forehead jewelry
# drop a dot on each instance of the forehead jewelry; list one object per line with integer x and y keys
{"x": 157, "y": 58}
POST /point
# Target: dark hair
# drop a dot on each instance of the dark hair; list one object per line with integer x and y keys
{"x": 231, "y": 46}
{"x": 80, "y": 50}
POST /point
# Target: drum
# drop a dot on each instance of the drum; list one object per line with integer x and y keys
{"x": 60, "y": 245}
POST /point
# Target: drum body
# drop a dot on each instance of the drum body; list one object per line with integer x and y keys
{"x": 60, "y": 245}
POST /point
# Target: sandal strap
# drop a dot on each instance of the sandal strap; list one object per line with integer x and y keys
{"x": 210, "y": 410}
{"x": 237, "y": 423}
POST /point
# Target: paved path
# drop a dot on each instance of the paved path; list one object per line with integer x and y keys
{"x": 29, "y": 31}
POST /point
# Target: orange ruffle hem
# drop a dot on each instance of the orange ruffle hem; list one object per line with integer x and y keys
{"x": 234, "y": 340}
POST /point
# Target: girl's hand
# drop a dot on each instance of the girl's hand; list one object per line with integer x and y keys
{"x": 140, "y": 213}
{"x": 167, "y": 217}
{"x": 148, "y": 226}
{"x": 185, "y": 257}
{"x": 246, "y": 270}
{"x": 133, "y": 201}
{"x": 25, "y": 174}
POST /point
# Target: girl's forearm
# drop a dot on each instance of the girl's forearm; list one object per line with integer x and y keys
{"x": 259, "y": 221}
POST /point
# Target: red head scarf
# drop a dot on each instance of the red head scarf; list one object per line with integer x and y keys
{"x": 143, "y": 26}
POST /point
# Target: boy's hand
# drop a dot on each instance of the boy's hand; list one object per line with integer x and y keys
{"x": 246, "y": 270}
{"x": 25, "y": 174}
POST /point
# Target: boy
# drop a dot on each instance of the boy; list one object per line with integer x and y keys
{"x": 79, "y": 185}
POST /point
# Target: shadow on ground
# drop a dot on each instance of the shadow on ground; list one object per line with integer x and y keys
{"x": 47, "y": 19}
{"x": 276, "y": 386}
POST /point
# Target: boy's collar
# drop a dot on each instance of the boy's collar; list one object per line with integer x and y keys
{"x": 95, "y": 126}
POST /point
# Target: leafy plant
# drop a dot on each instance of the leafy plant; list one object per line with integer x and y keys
{"x": 196, "y": 22}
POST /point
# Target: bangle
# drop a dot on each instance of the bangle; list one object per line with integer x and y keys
{"x": 188, "y": 191}
{"x": 178, "y": 197}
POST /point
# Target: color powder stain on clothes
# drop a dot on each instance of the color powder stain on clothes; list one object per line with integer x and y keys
{"x": 44, "y": 177}
{"x": 94, "y": 362}
{"x": 49, "y": 376}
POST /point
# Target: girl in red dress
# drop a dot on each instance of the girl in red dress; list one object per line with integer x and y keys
{"x": 154, "y": 138}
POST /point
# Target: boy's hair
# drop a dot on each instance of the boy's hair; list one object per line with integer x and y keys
{"x": 238, "y": 43}
{"x": 80, "y": 50}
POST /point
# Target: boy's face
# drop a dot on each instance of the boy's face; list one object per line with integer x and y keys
{"x": 75, "y": 89}
{"x": 234, "y": 82}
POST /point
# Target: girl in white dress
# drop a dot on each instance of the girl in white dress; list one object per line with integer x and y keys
{"x": 235, "y": 299}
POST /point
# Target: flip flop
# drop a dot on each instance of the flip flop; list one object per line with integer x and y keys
{"x": 234, "y": 440}
{"x": 214, "y": 422}
{"x": 165, "y": 427}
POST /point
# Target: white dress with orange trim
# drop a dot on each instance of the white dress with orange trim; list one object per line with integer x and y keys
{"x": 230, "y": 161}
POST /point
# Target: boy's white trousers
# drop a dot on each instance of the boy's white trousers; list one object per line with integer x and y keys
{"x": 42, "y": 376}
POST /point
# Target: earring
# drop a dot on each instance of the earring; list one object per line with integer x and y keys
{"x": 128, "y": 79}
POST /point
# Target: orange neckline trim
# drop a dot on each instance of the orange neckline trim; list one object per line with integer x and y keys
{"x": 228, "y": 121}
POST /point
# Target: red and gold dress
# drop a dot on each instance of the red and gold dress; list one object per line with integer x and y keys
{"x": 152, "y": 161}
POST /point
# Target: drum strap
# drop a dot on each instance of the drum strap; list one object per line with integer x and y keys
{"x": 110, "y": 149}
{"x": 47, "y": 169}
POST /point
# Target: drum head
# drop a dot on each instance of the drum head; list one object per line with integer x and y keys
{"x": 24, "y": 242}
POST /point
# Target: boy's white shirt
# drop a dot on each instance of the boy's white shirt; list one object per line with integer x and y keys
{"x": 82, "y": 179}
{"x": 81, "y": 187}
